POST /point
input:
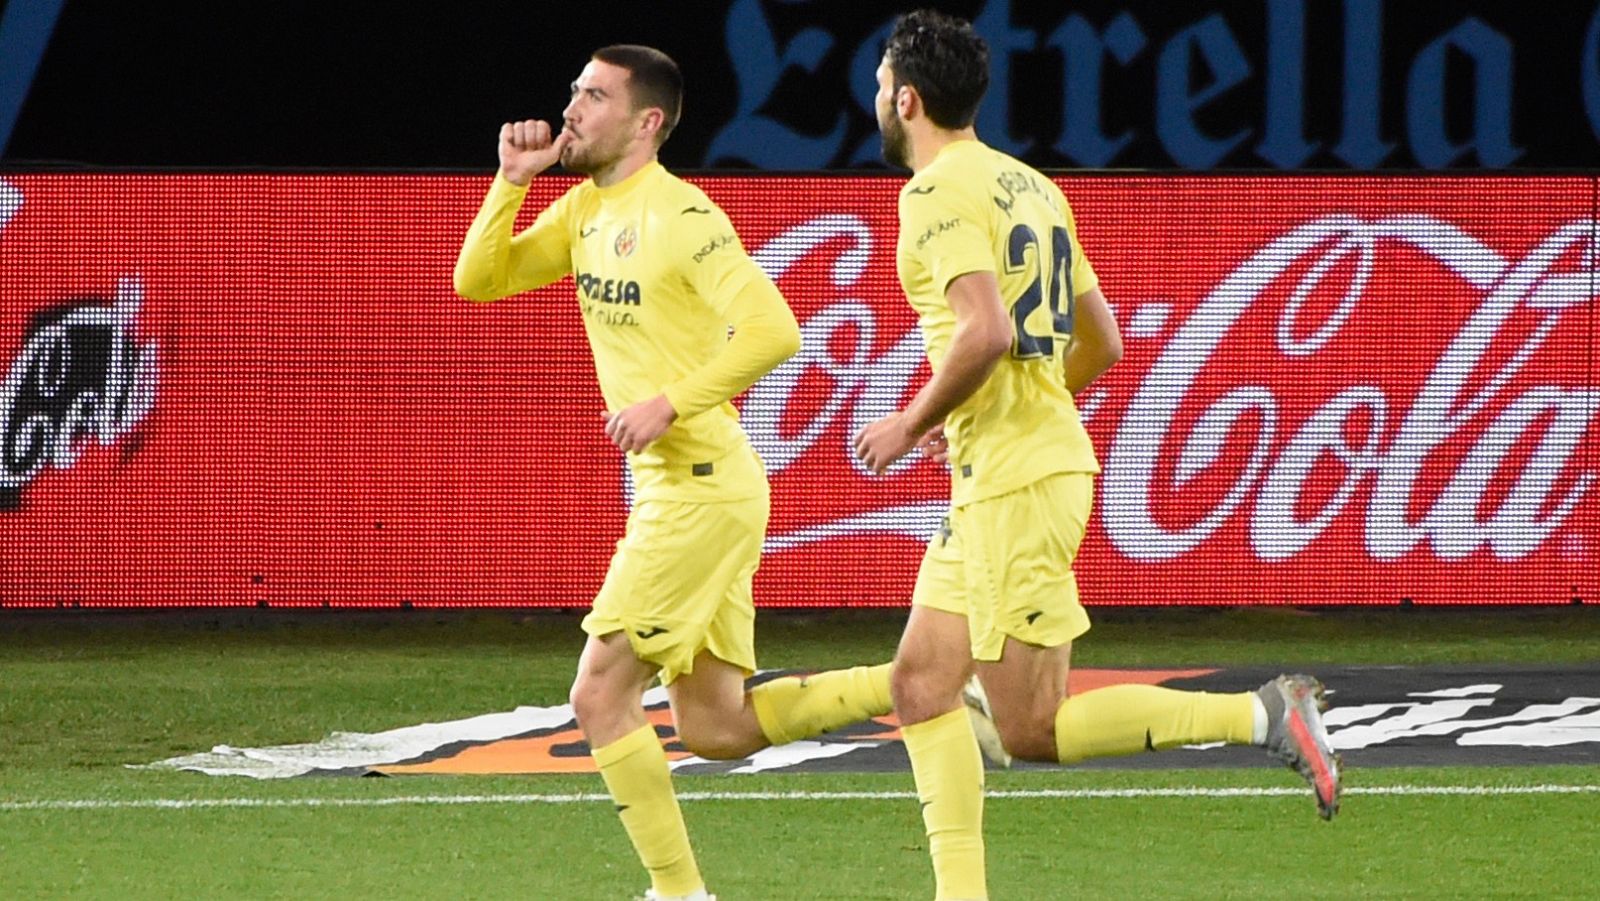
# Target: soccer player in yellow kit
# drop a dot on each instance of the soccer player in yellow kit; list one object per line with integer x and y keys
{"x": 1015, "y": 325}
{"x": 661, "y": 276}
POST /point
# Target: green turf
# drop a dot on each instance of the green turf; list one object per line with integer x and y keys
{"x": 79, "y": 699}
{"x": 1513, "y": 846}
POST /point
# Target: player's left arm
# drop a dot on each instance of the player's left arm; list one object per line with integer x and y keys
{"x": 983, "y": 335}
{"x": 765, "y": 332}
{"x": 1096, "y": 343}
{"x": 956, "y": 249}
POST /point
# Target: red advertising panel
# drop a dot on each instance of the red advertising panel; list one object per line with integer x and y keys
{"x": 261, "y": 390}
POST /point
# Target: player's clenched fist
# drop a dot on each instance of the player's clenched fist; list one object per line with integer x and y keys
{"x": 527, "y": 148}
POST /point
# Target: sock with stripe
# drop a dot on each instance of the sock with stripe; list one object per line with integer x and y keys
{"x": 797, "y": 707}
{"x": 635, "y": 770}
{"x": 1126, "y": 719}
{"x": 949, "y": 774}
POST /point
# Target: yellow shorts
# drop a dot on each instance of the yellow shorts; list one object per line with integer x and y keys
{"x": 1005, "y": 563}
{"x": 679, "y": 583}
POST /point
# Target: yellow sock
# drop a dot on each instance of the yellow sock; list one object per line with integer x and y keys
{"x": 949, "y": 773}
{"x": 1126, "y": 719}
{"x": 635, "y": 770}
{"x": 795, "y": 707}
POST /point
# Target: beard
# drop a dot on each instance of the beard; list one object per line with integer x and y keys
{"x": 896, "y": 146}
{"x": 593, "y": 156}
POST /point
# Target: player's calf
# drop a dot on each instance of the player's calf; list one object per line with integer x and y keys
{"x": 1029, "y": 737}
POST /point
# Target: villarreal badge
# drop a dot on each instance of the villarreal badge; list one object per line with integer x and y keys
{"x": 627, "y": 239}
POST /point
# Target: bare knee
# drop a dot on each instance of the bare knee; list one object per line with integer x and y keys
{"x": 1026, "y": 688}
{"x": 725, "y": 729}
{"x": 590, "y": 700}
{"x": 711, "y": 742}
{"x": 713, "y": 711}
{"x": 1024, "y": 716}
{"x": 922, "y": 690}
{"x": 606, "y": 709}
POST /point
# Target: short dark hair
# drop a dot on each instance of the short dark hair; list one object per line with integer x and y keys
{"x": 945, "y": 60}
{"x": 653, "y": 80}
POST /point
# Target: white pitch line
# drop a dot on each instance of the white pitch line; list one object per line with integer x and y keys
{"x": 593, "y": 797}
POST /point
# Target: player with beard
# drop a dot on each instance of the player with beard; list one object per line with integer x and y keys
{"x": 1015, "y": 325}
{"x": 661, "y": 276}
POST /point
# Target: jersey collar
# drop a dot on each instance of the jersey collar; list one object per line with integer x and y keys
{"x": 645, "y": 172}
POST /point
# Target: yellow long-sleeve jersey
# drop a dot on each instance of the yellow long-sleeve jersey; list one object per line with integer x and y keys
{"x": 975, "y": 209}
{"x": 661, "y": 276}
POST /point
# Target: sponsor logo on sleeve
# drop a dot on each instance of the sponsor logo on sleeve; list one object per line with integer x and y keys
{"x": 936, "y": 230}
{"x": 715, "y": 244}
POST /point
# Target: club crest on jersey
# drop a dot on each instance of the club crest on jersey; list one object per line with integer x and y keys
{"x": 627, "y": 240}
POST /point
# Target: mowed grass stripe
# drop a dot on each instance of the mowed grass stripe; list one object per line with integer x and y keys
{"x": 593, "y": 797}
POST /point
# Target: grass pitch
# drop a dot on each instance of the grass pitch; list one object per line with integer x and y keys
{"x": 80, "y": 698}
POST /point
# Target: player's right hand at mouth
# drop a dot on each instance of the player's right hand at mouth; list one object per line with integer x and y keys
{"x": 527, "y": 148}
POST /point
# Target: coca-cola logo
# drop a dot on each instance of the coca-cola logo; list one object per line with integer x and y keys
{"x": 1443, "y": 410}
{"x": 838, "y": 342}
{"x": 78, "y": 379}
{"x": 1477, "y": 390}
